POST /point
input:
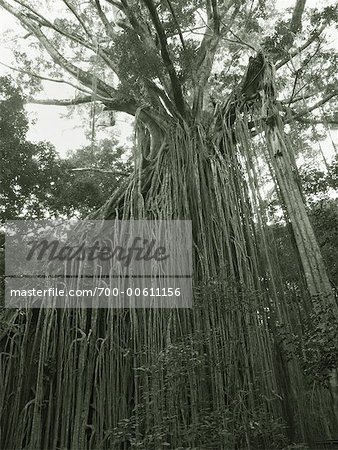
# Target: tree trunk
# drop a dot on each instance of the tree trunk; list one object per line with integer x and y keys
{"x": 288, "y": 180}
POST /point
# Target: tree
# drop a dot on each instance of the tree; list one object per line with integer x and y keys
{"x": 36, "y": 182}
{"x": 91, "y": 174}
{"x": 318, "y": 188}
{"x": 28, "y": 171}
{"x": 196, "y": 129}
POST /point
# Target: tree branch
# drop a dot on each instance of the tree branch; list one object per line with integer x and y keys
{"x": 142, "y": 29}
{"x": 42, "y": 21}
{"x": 160, "y": 93}
{"x": 316, "y": 105}
{"x": 296, "y": 20}
{"x": 84, "y": 77}
{"x": 241, "y": 42}
{"x": 314, "y": 35}
{"x": 78, "y": 17}
{"x": 322, "y": 121}
{"x": 116, "y": 4}
{"x": 176, "y": 23}
{"x": 208, "y": 47}
{"x": 45, "y": 78}
{"x": 176, "y": 85}
{"x": 61, "y": 102}
{"x": 127, "y": 106}
{"x": 35, "y": 15}
{"x": 215, "y": 17}
{"x": 104, "y": 19}
{"x": 94, "y": 169}
{"x": 298, "y": 99}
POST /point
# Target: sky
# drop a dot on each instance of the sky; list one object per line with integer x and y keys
{"x": 53, "y": 124}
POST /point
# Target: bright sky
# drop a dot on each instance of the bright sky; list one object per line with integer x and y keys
{"x": 51, "y": 122}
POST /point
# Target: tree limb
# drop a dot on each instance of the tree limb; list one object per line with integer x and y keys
{"x": 296, "y": 20}
{"x": 298, "y": 99}
{"x": 241, "y": 42}
{"x": 94, "y": 169}
{"x": 209, "y": 44}
{"x": 176, "y": 23}
{"x": 78, "y": 17}
{"x": 104, "y": 19}
{"x": 176, "y": 85}
{"x": 83, "y": 76}
{"x": 314, "y": 35}
{"x": 61, "y": 102}
{"x": 35, "y": 15}
{"x": 111, "y": 104}
{"x": 316, "y": 105}
{"x": 215, "y": 17}
{"x": 73, "y": 37}
{"x": 45, "y": 78}
{"x": 142, "y": 29}
{"x": 158, "y": 91}
{"x": 321, "y": 121}
{"x": 116, "y": 4}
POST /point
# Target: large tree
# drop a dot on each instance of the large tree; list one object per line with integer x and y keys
{"x": 202, "y": 122}
{"x": 36, "y": 183}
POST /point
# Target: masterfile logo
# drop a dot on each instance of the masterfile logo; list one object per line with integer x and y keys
{"x": 142, "y": 260}
{"x": 141, "y": 249}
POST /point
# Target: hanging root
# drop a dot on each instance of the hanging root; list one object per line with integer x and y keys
{"x": 210, "y": 377}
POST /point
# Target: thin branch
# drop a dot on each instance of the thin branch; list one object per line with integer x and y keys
{"x": 316, "y": 105}
{"x": 41, "y": 20}
{"x": 240, "y": 41}
{"x": 298, "y": 99}
{"x": 207, "y": 40}
{"x": 144, "y": 32}
{"x": 204, "y": 22}
{"x": 299, "y": 116}
{"x": 94, "y": 169}
{"x": 321, "y": 121}
{"x": 231, "y": 19}
{"x": 116, "y": 4}
{"x": 83, "y": 76}
{"x": 296, "y": 20}
{"x": 176, "y": 24}
{"x": 111, "y": 104}
{"x": 45, "y": 78}
{"x": 207, "y": 50}
{"x": 35, "y": 15}
{"x": 104, "y": 19}
{"x": 78, "y": 17}
{"x": 176, "y": 85}
{"x": 61, "y": 102}
{"x": 298, "y": 72}
{"x": 314, "y": 35}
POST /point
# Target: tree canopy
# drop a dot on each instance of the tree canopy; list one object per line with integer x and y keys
{"x": 166, "y": 59}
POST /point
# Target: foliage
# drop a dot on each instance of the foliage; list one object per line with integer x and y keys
{"x": 319, "y": 350}
{"x": 29, "y": 171}
{"x": 82, "y": 192}
{"x": 36, "y": 182}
